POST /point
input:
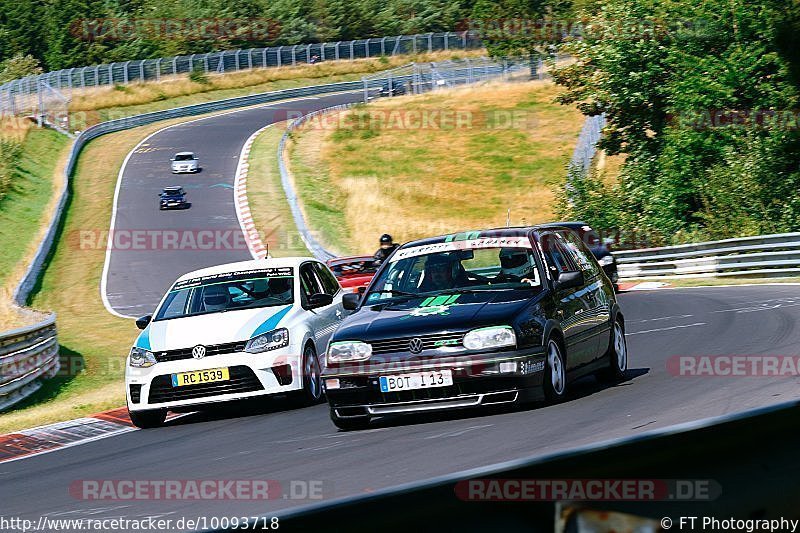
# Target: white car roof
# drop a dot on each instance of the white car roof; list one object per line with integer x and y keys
{"x": 184, "y": 153}
{"x": 247, "y": 265}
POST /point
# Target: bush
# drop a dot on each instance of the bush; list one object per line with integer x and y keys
{"x": 9, "y": 157}
{"x": 197, "y": 75}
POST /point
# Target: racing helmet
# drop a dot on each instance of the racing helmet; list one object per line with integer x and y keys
{"x": 386, "y": 239}
{"x": 516, "y": 262}
{"x": 216, "y": 297}
{"x": 281, "y": 288}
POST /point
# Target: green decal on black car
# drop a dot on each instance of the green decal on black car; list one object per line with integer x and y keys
{"x": 434, "y": 305}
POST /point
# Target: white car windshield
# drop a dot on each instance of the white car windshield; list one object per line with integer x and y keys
{"x": 228, "y": 292}
{"x": 184, "y": 157}
{"x": 480, "y": 269}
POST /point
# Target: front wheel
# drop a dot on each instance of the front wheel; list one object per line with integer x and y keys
{"x": 312, "y": 382}
{"x": 555, "y": 376}
{"x": 617, "y": 354}
{"x": 148, "y": 419}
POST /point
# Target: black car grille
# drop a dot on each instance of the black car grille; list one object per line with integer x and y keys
{"x": 186, "y": 353}
{"x": 429, "y": 342}
{"x": 136, "y": 393}
{"x": 242, "y": 379}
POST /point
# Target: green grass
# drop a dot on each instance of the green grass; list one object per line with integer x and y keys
{"x": 374, "y": 173}
{"x": 268, "y": 205}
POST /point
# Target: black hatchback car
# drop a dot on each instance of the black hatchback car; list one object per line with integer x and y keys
{"x": 595, "y": 244}
{"x": 172, "y": 198}
{"x": 473, "y": 319}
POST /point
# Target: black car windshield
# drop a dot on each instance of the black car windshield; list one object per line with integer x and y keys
{"x": 457, "y": 268}
{"x": 184, "y": 157}
{"x": 217, "y": 294}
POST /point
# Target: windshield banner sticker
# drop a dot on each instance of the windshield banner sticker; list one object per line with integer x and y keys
{"x": 470, "y": 244}
{"x": 282, "y": 272}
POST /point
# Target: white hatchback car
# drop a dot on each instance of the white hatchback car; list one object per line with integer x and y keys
{"x": 234, "y": 331}
{"x": 185, "y": 162}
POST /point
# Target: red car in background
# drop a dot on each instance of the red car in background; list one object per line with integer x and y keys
{"x": 353, "y": 272}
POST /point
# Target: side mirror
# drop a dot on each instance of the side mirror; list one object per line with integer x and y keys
{"x": 569, "y": 280}
{"x": 350, "y": 300}
{"x": 142, "y": 322}
{"x": 319, "y": 300}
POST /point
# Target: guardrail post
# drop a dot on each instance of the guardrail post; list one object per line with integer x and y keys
{"x": 447, "y": 40}
{"x": 294, "y": 55}
{"x": 158, "y": 69}
{"x": 264, "y": 57}
{"x": 337, "y": 49}
{"x": 125, "y": 72}
{"x": 175, "y": 66}
{"x": 308, "y": 54}
{"x": 97, "y": 75}
{"x": 383, "y": 46}
{"x": 352, "y": 53}
{"x": 142, "y": 73}
{"x": 366, "y": 47}
{"x": 279, "y": 55}
{"x": 430, "y": 43}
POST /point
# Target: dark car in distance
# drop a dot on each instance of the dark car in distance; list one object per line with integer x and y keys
{"x": 173, "y": 198}
{"x": 600, "y": 250}
{"x": 392, "y": 88}
{"x": 502, "y": 316}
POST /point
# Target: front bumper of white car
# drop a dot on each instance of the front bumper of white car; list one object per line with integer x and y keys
{"x": 273, "y": 372}
{"x": 177, "y": 169}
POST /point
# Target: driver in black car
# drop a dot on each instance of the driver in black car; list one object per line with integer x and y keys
{"x": 443, "y": 272}
{"x": 517, "y": 266}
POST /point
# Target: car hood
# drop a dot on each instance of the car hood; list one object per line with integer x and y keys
{"x": 429, "y": 315}
{"x": 213, "y": 328}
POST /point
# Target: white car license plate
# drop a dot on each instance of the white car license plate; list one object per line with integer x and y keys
{"x": 416, "y": 380}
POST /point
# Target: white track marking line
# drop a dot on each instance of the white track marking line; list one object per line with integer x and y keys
{"x": 666, "y": 329}
{"x": 655, "y": 319}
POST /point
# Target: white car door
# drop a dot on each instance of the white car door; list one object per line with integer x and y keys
{"x": 322, "y": 320}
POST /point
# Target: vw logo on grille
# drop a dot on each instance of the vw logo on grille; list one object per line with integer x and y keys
{"x": 199, "y": 351}
{"x": 415, "y": 345}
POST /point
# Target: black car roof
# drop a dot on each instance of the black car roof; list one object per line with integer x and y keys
{"x": 173, "y": 189}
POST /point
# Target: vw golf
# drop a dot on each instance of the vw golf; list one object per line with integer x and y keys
{"x": 482, "y": 318}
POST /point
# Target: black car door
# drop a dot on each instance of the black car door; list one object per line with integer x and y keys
{"x": 572, "y": 305}
{"x": 596, "y": 295}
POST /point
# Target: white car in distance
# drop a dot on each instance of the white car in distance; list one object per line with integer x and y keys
{"x": 185, "y": 162}
{"x": 234, "y": 331}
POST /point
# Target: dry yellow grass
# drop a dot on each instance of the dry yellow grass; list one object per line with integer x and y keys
{"x": 14, "y": 128}
{"x": 511, "y": 149}
{"x": 257, "y": 80}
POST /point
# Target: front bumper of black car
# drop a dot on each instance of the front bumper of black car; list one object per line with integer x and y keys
{"x": 477, "y": 381}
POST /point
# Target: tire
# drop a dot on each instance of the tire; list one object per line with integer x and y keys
{"x": 616, "y": 354}
{"x": 555, "y": 372}
{"x": 148, "y": 419}
{"x": 349, "y": 424}
{"x": 312, "y": 382}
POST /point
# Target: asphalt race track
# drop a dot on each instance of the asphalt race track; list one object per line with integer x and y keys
{"x": 302, "y": 444}
{"x": 139, "y": 274}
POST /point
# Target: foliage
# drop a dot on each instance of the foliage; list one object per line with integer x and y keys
{"x": 696, "y": 95}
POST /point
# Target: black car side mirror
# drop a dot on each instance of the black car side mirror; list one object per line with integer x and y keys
{"x": 568, "y": 280}
{"x": 350, "y": 301}
{"x": 142, "y": 322}
{"x": 319, "y": 300}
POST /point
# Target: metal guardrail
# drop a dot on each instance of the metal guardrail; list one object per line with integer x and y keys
{"x": 27, "y": 356}
{"x": 20, "y": 96}
{"x": 775, "y": 255}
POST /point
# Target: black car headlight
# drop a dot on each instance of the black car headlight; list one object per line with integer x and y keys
{"x": 141, "y": 358}
{"x": 345, "y": 351}
{"x": 271, "y": 340}
{"x": 491, "y": 337}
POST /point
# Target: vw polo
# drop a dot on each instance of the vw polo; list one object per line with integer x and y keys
{"x": 233, "y": 331}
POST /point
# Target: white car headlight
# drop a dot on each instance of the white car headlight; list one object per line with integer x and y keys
{"x": 491, "y": 337}
{"x": 271, "y": 340}
{"x": 606, "y": 260}
{"x": 141, "y": 358}
{"x": 340, "y": 352}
